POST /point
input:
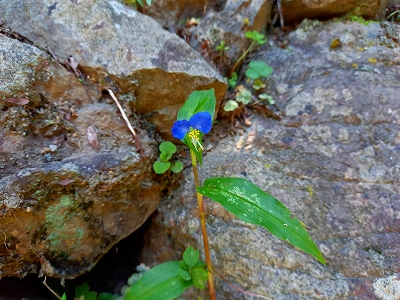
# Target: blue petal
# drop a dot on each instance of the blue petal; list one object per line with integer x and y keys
{"x": 180, "y": 128}
{"x": 201, "y": 121}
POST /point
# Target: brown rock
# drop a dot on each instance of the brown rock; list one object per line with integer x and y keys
{"x": 120, "y": 49}
{"x": 62, "y": 204}
{"x": 298, "y": 10}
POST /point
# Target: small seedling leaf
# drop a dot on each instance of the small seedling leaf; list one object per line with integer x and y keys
{"x": 167, "y": 147}
{"x": 165, "y": 156}
{"x": 84, "y": 290}
{"x": 243, "y": 96}
{"x": 267, "y": 97}
{"x": 177, "y": 167}
{"x": 64, "y": 297}
{"x": 256, "y": 36}
{"x": 233, "y": 80}
{"x": 252, "y": 205}
{"x": 160, "y": 282}
{"x": 191, "y": 256}
{"x": 185, "y": 274}
{"x": 198, "y": 276}
{"x": 231, "y": 105}
{"x": 258, "y": 68}
{"x": 161, "y": 167}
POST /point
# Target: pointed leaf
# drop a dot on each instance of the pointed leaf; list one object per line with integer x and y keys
{"x": 252, "y": 205}
{"x": 160, "y": 282}
{"x": 198, "y": 101}
{"x": 64, "y": 297}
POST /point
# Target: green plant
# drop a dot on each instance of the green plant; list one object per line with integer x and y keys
{"x": 237, "y": 195}
{"x": 136, "y": 3}
{"x": 83, "y": 292}
{"x": 233, "y": 80}
{"x": 267, "y": 97}
{"x": 221, "y": 48}
{"x": 397, "y": 19}
{"x": 257, "y": 69}
{"x": 257, "y": 38}
{"x": 162, "y": 165}
{"x": 168, "y": 280}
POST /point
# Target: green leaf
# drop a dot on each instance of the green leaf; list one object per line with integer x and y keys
{"x": 64, "y": 297}
{"x": 107, "y": 296}
{"x": 198, "y": 101}
{"x": 191, "y": 256}
{"x": 221, "y": 46}
{"x": 233, "y": 80}
{"x": 185, "y": 275}
{"x": 231, "y": 105}
{"x": 81, "y": 289}
{"x": 183, "y": 265}
{"x": 167, "y": 147}
{"x": 200, "y": 264}
{"x": 161, "y": 167}
{"x": 198, "y": 276}
{"x": 252, "y": 205}
{"x": 256, "y": 36}
{"x": 243, "y": 96}
{"x": 258, "y": 84}
{"x": 165, "y": 157}
{"x": 161, "y": 282}
{"x": 267, "y": 97}
{"x": 258, "y": 68}
{"x": 177, "y": 167}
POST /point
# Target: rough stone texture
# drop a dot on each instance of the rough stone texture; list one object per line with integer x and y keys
{"x": 168, "y": 13}
{"x": 333, "y": 160}
{"x": 229, "y": 24}
{"x": 298, "y": 10}
{"x": 62, "y": 203}
{"x": 118, "y": 46}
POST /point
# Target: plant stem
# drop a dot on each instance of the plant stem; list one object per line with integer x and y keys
{"x": 211, "y": 288}
{"x": 240, "y": 58}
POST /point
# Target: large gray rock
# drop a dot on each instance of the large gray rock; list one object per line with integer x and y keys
{"x": 117, "y": 46}
{"x": 64, "y": 204}
{"x": 333, "y": 160}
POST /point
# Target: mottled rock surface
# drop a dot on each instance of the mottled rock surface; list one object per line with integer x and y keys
{"x": 333, "y": 160}
{"x": 64, "y": 204}
{"x": 298, "y": 10}
{"x": 169, "y": 13}
{"x": 119, "y": 48}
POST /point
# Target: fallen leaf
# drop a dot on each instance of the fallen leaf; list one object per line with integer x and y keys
{"x": 17, "y": 101}
{"x": 65, "y": 181}
{"x": 73, "y": 62}
{"x": 92, "y": 138}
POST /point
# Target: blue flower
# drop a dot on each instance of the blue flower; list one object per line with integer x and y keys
{"x": 199, "y": 123}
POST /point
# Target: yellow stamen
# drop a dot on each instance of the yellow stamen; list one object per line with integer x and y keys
{"x": 194, "y": 135}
